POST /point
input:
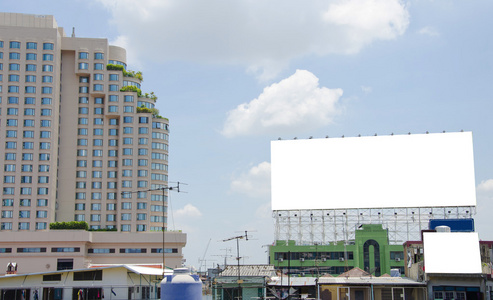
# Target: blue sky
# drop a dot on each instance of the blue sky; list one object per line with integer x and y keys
{"x": 233, "y": 75}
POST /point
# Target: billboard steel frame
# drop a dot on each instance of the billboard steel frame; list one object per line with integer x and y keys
{"x": 325, "y": 226}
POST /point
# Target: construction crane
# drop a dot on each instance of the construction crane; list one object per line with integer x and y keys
{"x": 203, "y": 257}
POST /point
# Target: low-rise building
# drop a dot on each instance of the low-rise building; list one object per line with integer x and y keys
{"x": 370, "y": 251}
{"x": 56, "y": 250}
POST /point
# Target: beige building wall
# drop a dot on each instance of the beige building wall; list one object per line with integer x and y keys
{"x": 76, "y": 147}
{"x": 43, "y": 251}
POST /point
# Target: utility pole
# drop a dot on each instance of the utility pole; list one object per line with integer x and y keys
{"x": 163, "y": 188}
{"x": 238, "y": 258}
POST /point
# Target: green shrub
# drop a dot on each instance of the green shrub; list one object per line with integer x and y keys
{"x": 115, "y": 67}
{"x": 72, "y": 225}
{"x": 131, "y": 88}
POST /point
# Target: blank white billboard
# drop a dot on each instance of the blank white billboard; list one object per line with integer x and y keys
{"x": 423, "y": 170}
{"x": 464, "y": 259}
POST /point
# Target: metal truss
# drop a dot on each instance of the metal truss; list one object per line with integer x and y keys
{"x": 324, "y": 226}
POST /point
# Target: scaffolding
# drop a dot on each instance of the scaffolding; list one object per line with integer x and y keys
{"x": 325, "y": 226}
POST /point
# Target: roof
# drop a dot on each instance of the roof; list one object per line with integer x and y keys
{"x": 367, "y": 280}
{"x": 249, "y": 271}
{"x": 354, "y": 272}
{"x": 138, "y": 269}
{"x": 292, "y": 281}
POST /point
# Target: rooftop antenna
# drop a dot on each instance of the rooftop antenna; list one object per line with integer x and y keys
{"x": 225, "y": 256}
{"x": 73, "y": 31}
{"x": 237, "y": 238}
{"x": 162, "y": 188}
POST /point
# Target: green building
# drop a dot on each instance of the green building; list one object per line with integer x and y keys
{"x": 369, "y": 251}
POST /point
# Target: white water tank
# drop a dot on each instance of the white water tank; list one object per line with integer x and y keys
{"x": 181, "y": 286}
{"x": 442, "y": 228}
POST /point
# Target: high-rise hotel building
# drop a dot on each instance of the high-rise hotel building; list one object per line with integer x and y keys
{"x": 80, "y": 142}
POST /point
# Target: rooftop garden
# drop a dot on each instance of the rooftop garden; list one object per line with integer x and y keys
{"x": 75, "y": 225}
{"x": 154, "y": 111}
{"x": 126, "y": 73}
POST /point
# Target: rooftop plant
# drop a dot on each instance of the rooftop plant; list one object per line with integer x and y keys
{"x": 126, "y": 73}
{"x": 73, "y": 225}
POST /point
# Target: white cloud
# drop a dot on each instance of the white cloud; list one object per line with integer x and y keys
{"x": 188, "y": 211}
{"x": 293, "y": 105}
{"x": 254, "y": 183}
{"x": 261, "y": 35}
{"x": 366, "y": 89}
{"x": 430, "y": 31}
{"x": 485, "y": 186}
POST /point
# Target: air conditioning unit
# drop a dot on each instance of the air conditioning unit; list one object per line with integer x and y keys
{"x": 397, "y": 259}
{"x": 324, "y": 259}
{"x": 341, "y": 258}
{"x": 302, "y": 259}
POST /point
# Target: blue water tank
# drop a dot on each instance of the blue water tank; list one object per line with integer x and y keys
{"x": 181, "y": 286}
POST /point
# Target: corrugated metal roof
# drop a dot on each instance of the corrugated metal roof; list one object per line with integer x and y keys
{"x": 249, "y": 271}
{"x": 367, "y": 280}
{"x": 292, "y": 281}
{"x": 138, "y": 269}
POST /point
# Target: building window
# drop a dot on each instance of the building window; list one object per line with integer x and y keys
{"x": 83, "y": 55}
{"x": 30, "y": 90}
{"x": 98, "y": 66}
{"x": 41, "y": 225}
{"x": 44, "y": 168}
{"x": 47, "y": 68}
{"x": 43, "y": 191}
{"x": 47, "y": 79}
{"x": 125, "y": 227}
{"x": 14, "y": 45}
{"x": 46, "y": 90}
{"x": 48, "y": 57}
{"x": 88, "y": 276}
{"x": 48, "y": 46}
{"x": 11, "y": 133}
{"x": 31, "y": 68}
{"x": 31, "y": 56}
{"x": 15, "y": 89}
{"x": 14, "y": 55}
{"x": 83, "y": 66}
{"x": 6, "y": 226}
{"x": 41, "y": 214}
{"x": 44, "y": 156}
{"x": 98, "y": 55}
{"x": 31, "y": 250}
{"x": 14, "y": 67}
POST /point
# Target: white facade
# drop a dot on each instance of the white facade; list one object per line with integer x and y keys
{"x": 114, "y": 282}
